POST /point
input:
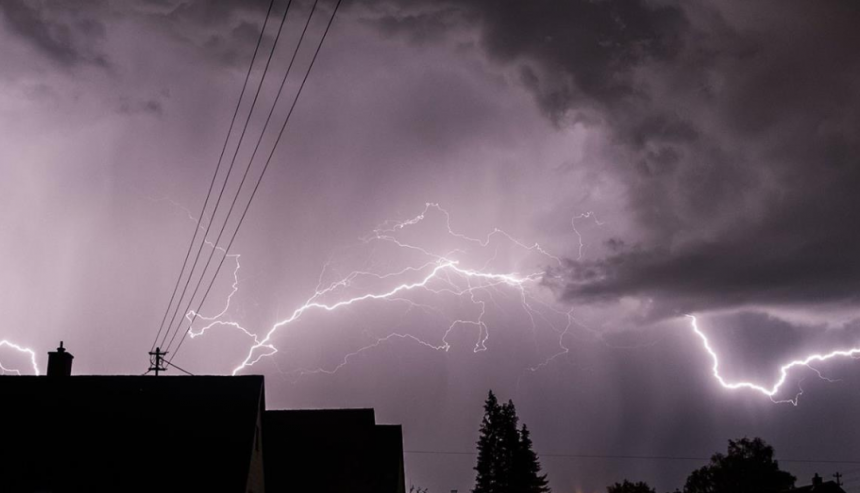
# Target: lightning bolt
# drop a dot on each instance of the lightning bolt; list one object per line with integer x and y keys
{"x": 445, "y": 273}
{"x": 21, "y": 349}
{"x": 441, "y": 274}
{"x": 584, "y": 215}
{"x": 436, "y": 271}
{"x": 773, "y": 390}
{"x": 216, "y": 320}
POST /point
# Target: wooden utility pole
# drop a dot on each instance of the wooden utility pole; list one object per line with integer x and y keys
{"x": 156, "y": 361}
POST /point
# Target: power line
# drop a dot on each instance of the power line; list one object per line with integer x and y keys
{"x": 224, "y": 186}
{"x": 217, "y": 169}
{"x": 180, "y": 369}
{"x": 635, "y": 457}
{"x": 268, "y": 162}
{"x": 241, "y": 183}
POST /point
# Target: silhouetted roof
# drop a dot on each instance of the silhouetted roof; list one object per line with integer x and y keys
{"x": 128, "y": 433}
{"x": 824, "y": 487}
{"x": 327, "y": 451}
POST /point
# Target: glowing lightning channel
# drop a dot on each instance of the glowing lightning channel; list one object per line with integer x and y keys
{"x": 213, "y": 320}
{"x": 783, "y": 370}
{"x": 216, "y": 319}
{"x": 18, "y": 348}
{"x": 440, "y": 267}
{"x": 383, "y": 233}
{"x": 439, "y": 271}
{"x": 584, "y": 215}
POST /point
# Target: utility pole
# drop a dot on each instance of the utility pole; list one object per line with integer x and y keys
{"x": 156, "y": 361}
{"x": 838, "y": 479}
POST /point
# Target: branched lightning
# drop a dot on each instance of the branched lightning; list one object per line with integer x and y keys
{"x": 584, "y": 215}
{"x": 214, "y": 320}
{"x": 385, "y": 232}
{"x": 217, "y": 319}
{"x": 441, "y": 273}
{"x": 773, "y": 390}
{"x": 437, "y": 270}
{"x": 447, "y": 273}
{"x": 21, "y": 349}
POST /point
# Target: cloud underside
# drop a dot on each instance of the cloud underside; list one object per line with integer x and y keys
{"x": 733, "y": 126}
{"x": 68, "y": 35}
{"x": 734, "y": 130}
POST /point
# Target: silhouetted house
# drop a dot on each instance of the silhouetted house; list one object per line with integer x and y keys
{"x": 303, "y": 449}
{"x": 130, "y": 433}
{"x": 65, "y": 433}
{"x": 819, "y": 486}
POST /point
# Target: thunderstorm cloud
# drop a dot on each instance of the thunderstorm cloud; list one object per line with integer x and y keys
{"x": 673, "y": 156}
{"x": 733, "y": 127}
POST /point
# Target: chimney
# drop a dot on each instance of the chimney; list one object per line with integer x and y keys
{"x": 816, "y": 480}
{"x": 60, "y": 363}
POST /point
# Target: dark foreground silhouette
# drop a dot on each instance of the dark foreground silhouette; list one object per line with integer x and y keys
{"x": 748, "y": 466}
{"x": 64, "y": 433}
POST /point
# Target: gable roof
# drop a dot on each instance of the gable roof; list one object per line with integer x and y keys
{"x": 128, "y": 433}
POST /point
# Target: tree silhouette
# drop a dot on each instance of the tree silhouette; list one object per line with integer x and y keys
{"x": 489, "y": 444}
{"x": 527, "y": 477}
{"x": 628, "y": 487}
{"x": 748, "y": 467}
{"x": 506, "y": 461}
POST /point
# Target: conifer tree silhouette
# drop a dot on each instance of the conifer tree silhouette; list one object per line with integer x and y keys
{"x": 506, "y": 461}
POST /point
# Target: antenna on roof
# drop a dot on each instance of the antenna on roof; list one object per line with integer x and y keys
{"x": 156, "y": 361}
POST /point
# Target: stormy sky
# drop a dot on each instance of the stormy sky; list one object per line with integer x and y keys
{"x": 669, "y": 157}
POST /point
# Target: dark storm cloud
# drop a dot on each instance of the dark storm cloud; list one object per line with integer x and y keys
{"x": 801, "y": 248}
{"x": 721, "y": 137}
{"x": 767, "y": 197}
{"x": 65, "y": 33}
{"x": 733, "y": 125}
{"x": 71, "y": 34}
{"x": 224, "y": 32}
{"x": 573, "y": 54}
{"x": 420, "y": 27}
